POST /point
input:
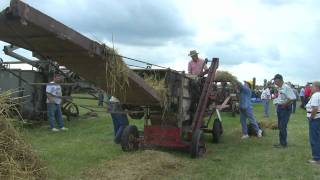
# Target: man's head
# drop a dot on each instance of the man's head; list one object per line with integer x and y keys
{"x": 194, "y": 55}
{"x": 57, "y": 78}
{"x": 278, "y": 80}
{"x": 316, "y": 86}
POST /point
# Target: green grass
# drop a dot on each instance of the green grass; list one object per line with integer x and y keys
{"x": 89, "y": 143}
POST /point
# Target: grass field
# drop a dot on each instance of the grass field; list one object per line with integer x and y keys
{"x": 88, "y": 147}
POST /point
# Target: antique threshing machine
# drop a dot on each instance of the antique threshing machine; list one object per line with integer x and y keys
{"x": 179, "y": 121}
{"x": 174, "y": 119}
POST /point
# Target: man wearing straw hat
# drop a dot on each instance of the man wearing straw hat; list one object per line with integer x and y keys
{"x": 196, "y": 65}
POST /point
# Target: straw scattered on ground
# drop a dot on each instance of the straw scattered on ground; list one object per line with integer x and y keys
{"x": 146, "y": 164}
{"x": 17, "y": 160}
{"x": 268, "y": 125}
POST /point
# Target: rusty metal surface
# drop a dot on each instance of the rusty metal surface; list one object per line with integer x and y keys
{"x": 26, "y": 27}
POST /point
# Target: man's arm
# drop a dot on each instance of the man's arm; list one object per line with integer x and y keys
{"x": 290, "y": 96}
{"x": 314, "y": 112}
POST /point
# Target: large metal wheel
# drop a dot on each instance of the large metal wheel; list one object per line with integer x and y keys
{"x": 130, "y": 138}
{"x": 216, "y": 130}
{"x": 70, "y": 110}
{"x": 197, "y": 148}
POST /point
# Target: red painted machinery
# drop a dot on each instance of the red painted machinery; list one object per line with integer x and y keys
{"x": 182, "y": 127}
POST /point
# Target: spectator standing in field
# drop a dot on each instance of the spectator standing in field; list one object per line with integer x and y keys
{"x": 284, "y": 108}
{"x": 119, "y": 118}
{"x": 313, "y": 115}
{"x": 294, "y": 102}
{"x": 196, "y": 65}
{"x": 265, "y": 98}
{"x": 54, "y": 99}
{"x": 302, "y": 98}
{"x": 307, "y": 94}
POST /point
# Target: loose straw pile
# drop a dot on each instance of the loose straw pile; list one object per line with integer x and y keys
{"x": 17, "y": 160}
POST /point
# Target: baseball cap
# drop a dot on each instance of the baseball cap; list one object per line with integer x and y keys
{"x": 278, "y": 76}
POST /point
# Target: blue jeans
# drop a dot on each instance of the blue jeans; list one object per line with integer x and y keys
{"x": 283, "y": 119}
{"x": 244, "y": 114}
{"x": 265, "y": 103}
{"x": 54, "y": 111}
{"x": 314, "y": 137}
{"x": 119, "y": 120}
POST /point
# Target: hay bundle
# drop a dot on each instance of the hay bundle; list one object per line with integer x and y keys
{"x": 268, "y": 125}
{"x": 117, "y": 82}
{"x": 225, "y": 76}
{"x": 17, "y": 160}
{"x": 159, "y": 85}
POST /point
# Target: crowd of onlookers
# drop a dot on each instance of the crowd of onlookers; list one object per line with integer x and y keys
{"x": 310, "y": 101}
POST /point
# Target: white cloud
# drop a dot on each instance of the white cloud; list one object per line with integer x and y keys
{"x": 252, "y": 38}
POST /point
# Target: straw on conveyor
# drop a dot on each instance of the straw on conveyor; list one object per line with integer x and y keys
{"x": 117, "y": 82}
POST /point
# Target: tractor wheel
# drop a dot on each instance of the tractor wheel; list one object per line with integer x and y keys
{"x": 216, "y": 130}
{"x": 197, "y": 147}
{"x": 129, "y": 138}
{"x": 70, "y": 110}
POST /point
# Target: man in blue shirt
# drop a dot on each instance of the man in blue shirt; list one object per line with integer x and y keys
{"x": 246, "y": 111}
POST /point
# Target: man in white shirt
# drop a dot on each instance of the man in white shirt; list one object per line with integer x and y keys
{"x": 265, "y": 98}
{"x": 313, "y": 115}
{"x": 284, "y": 108}
{"x": 54, "y": 99}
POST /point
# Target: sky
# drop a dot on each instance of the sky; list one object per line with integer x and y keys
{"x": 252, "y": 38}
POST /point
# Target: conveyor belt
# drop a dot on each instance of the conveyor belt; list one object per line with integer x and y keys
{"x": 26, "y": 27}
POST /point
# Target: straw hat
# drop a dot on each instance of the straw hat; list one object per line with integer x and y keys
{"x": 193, "y": 53}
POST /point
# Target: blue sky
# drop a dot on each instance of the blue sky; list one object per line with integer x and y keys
{"x": 252, "y": 38}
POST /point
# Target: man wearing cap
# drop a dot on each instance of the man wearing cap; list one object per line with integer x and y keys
{"x": 119, "y": 119}
{"x": 246, "y": 110}
{"x": 284, "y": 108}
{"x": 196, "y": 65}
